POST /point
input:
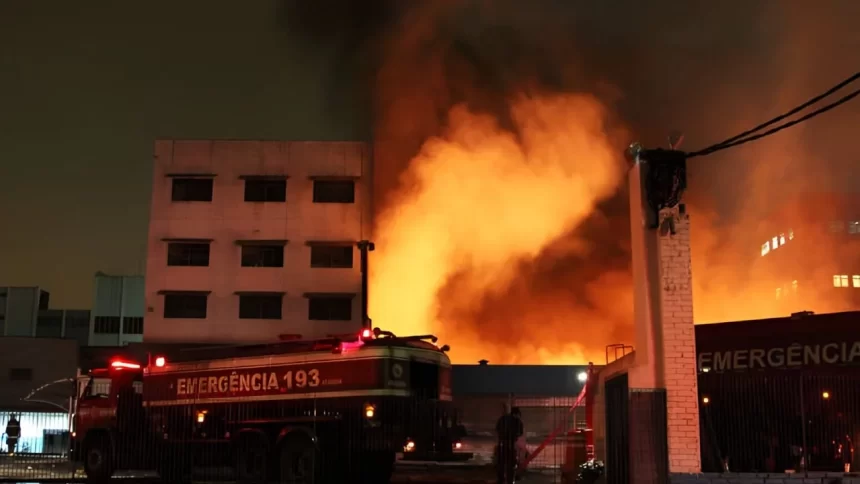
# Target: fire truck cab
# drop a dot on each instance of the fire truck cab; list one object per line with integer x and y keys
{"x": 301, "y": 411}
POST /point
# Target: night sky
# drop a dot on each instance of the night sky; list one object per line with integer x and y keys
{"x": 85, "y": 88}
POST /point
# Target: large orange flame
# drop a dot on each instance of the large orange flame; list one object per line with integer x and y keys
{"x": 476, "y": 202}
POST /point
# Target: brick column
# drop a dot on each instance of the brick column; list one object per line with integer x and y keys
{"x": 663, "y": 308}
{"x": 678, "y": 341}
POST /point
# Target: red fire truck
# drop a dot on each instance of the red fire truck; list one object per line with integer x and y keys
{"x": 298, "y": 411}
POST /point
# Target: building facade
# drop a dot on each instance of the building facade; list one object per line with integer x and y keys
{"x": 254, "y": 241}
{"x": 64, "y": 323}
{"x": 118, "y": 310}
{"x": 810, "y": 255}
{"x": 19, "y": 310}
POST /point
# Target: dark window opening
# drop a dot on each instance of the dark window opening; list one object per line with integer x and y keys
{"x": 262, "y": 256}
{"x": 20, "y": 374}
{"x": 185, "y": 306}
{"x": 331, "y": 256}
{"x": 334, "y": 191}
{"x": 132, "y": 325}
{"x": 49, "y": 326}
{"x": 106, "y": 325}
{"x": 187, "y": 254}
{"x": 265, "y": 190}
{"x": 330, "y": 308}
{"x": 192, "y": 190}
{"x": 260, "y": 306}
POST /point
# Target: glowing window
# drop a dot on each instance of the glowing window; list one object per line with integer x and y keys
{"x": 778, "y": 292}
{"x": 791, "y": 235}
{"x": 854, "y": 227}
{"x": 765, "y": 248}
{"x": 793, "y": 286}
{"x": 775, "y": 242}
{"x": 855, "y": 280}
{"x": 840, "y": 281}
{"x": 781, "y": 239}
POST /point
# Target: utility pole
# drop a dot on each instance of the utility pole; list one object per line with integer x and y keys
{"x": 364, "y": 247}
{"x": 663, "y": 300}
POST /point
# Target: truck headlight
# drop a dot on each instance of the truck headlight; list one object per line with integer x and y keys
{"x": 369, "y": 411}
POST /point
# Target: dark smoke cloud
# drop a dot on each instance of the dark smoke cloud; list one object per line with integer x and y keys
{"x": 708, "y": 68}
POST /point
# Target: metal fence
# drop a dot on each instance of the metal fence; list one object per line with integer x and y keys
{"x": 324, "y": 440}
{"x": 779, "y": 422}
{"x": 34, "y": 445}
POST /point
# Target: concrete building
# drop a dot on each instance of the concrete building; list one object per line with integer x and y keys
{"x": 118, "y": 310}
{"x": 810, "y": 255}
{"x": 19, "y": 310}
{"x": 251, "y": 241}
{"x": 64, "y": 323}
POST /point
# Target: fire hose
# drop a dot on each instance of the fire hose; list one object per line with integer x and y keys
{"x": 557, "y": 430}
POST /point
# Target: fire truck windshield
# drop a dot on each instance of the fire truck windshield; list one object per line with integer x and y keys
{"x": 97, "y": 388}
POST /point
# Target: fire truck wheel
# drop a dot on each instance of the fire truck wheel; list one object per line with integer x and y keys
{"x": 298, "y": 460}
{"x": 252, "y": 460}
{"x": 98, "y": 460}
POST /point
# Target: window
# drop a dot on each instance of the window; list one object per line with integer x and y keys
{"x": 854, "y": 228}
{"x": 261, "y": 189}
{"x": 185, "y": 306}
{"x": 775, "y": 242}
{"x": 260, "y": 306}
{"x": 778, "y": 292}
{"x": 20, "y": 374}
{"x": 106, "y": 325}
{"x": 50, "y": 324}
{"x": 331, "y": 256}
{"x": 97, "y": 388}
{"x": 794, "y": 287}
{"x": 132, "y": 325}
{"x": 330, "y": 308}
{"x": 765, "y": 248}
{"x": 334, "y": 191}
{"x": 188, "y": 254}
{"x": 791, "y": 235}
{"x": 781, "y": 239}
{"x": 840, "y": 281}
{"x": 262, "y": 255}
{"x": 855, "y": 280}
{"x": 192, "y": 190}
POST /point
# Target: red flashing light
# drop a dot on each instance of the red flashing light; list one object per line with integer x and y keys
{"x": 160, "y": 361}
{"x": 366, "y": 334}
{"x": 124, "y": 364}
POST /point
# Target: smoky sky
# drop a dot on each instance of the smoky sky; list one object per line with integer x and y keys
{"x": 86, "y": 88}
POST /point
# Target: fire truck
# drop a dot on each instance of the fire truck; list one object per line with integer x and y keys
{"x": 300, "y": 411}
{"x": 338, "y": 409}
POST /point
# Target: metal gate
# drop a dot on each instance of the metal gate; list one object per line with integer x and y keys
{"x": 617, "y": 431}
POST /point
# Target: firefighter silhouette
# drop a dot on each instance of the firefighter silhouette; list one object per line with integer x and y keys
{"x": 13, "y": 433}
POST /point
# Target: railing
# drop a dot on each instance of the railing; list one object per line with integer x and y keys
{"x": 779, "y": 422}
{"x": 41, "y": 449}
{"x": 226, "y": 441}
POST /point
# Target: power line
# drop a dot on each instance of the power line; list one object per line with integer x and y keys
{"x": 777, "y": 129}
{"x": 742, "y": 138}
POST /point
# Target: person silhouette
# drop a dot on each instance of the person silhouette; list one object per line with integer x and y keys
{"x": 13, "y": 433}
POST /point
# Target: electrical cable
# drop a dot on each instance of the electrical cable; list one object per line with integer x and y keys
{"x": 777, "y": 129}
{"x": 741, "y": 138}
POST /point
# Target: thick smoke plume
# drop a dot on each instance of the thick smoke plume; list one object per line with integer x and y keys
{"x": 501, "y": 224}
